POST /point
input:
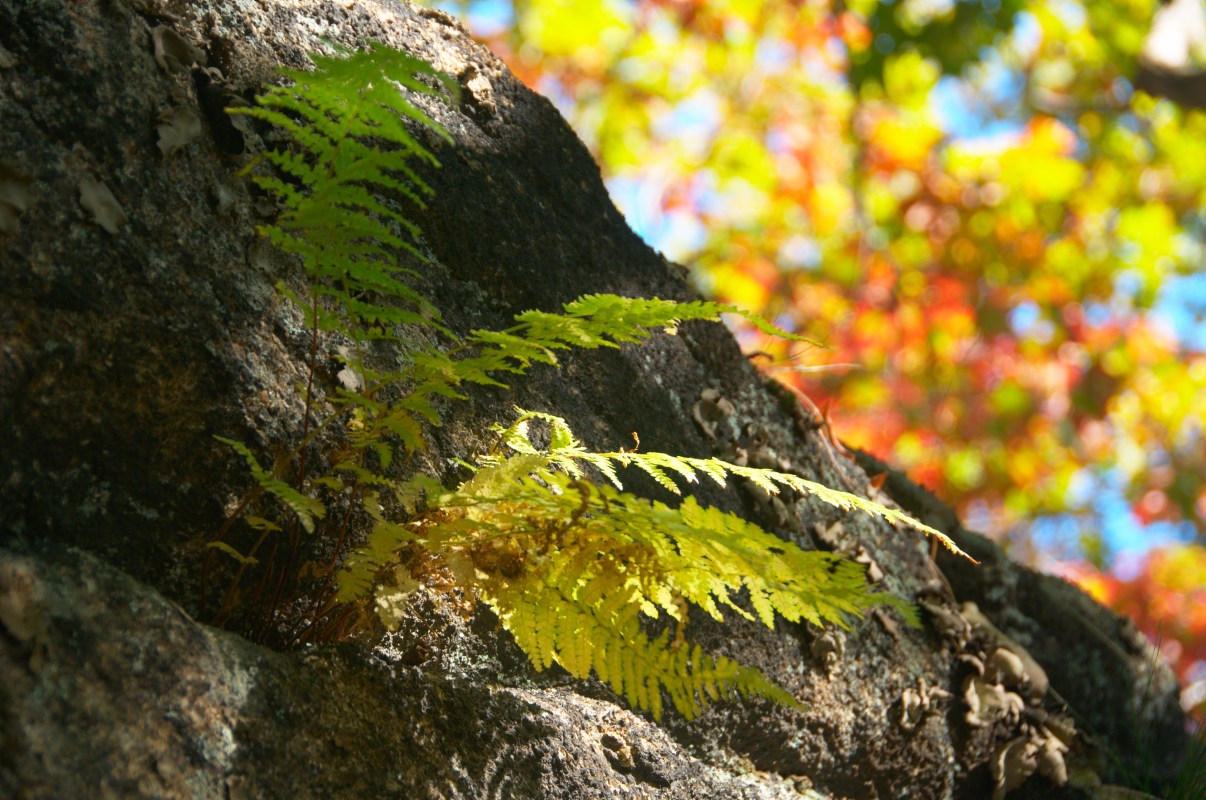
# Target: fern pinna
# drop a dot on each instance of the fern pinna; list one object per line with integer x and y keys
{"x": 570, "y": 565}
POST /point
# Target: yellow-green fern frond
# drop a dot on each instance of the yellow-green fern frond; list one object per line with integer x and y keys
{"x": 486, "y": 357}
{"x": 571, "y": 567}
{"x": 566, "y": 453}
{"x": 553, "y": 628}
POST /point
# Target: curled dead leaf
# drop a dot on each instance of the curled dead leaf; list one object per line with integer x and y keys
{"x": 96, "y": 198}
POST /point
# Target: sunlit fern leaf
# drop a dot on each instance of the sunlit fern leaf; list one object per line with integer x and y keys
{"x": 661, "y": 465}
{"x": 552, "y": 628}
{"x": 593, "y": 321}
{"x": 652, "y": 312}
{"x": 589, "y": 561}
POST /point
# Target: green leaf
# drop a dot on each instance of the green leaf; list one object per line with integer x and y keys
{"x": 233, "y": 553}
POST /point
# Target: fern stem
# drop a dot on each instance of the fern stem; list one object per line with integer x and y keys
{"x": 286, "y": 573}
{"x": 259, "y": 632}
{"x": 312, "y": 367}
{"x": 225, "y": 607}
{"x": 311, "y": 629}
{"x": 343, "y": 527}
{"x": 206, "y": 562}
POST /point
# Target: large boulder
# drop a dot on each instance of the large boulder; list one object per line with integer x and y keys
{"x": 139, "y": 319}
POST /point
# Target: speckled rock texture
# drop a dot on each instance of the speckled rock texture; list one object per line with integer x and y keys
{"x": 139, "y": 319}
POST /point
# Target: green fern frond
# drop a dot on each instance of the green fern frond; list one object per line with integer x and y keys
{"x": 354, "y": 150}
{"x": 590, "y": 322}
{"x": 652, "y": 313}
{"x": 306, "y": 508}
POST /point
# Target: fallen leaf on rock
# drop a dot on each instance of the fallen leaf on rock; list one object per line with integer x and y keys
{"x": 96, "y": 198}
{"x": 173, "y": 52}
{"x": 15, "y": 195}
{"x": 177, "y": 127}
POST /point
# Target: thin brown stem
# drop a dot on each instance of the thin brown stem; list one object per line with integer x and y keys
{"x": 207, "y": 561}
{"x": 343, "y": 529}
{"x": 224, "y": 608}
{"x": 311, "y": 368}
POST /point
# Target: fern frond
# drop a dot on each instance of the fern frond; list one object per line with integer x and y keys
{"x": 590, "y": 322}
{"x": 233, "y": 553}
{"x": 570, "y": 567}
{"x": 551, "y": 628}
{"x": 306, "y": 508}
{"x": 566, "y": 453}
{"x": 354, "y": 150}
{"x": 652, "y": 313}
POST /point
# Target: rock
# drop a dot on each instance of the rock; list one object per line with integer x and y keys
{"x": 135, "y": 330}
{"x": 132, "y": 698}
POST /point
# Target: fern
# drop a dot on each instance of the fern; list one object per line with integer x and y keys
{"x": 570, "y": 567}
{"x": 353, "y": 150}
{"x": 305, "y": 508}
{"x": 485, "y": 357}
{"x": 566, "y": 452}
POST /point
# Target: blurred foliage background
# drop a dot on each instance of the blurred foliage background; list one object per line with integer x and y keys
{"x": 990, "y": 211}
